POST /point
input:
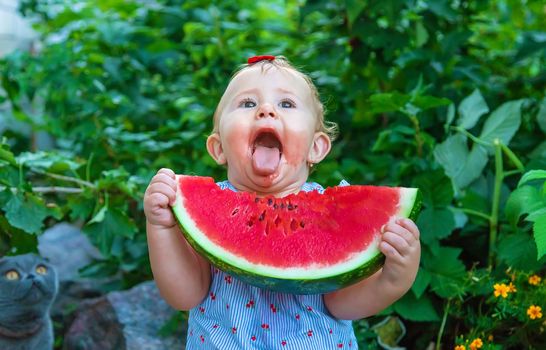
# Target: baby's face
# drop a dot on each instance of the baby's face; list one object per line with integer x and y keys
{"x": 267, "y": 131}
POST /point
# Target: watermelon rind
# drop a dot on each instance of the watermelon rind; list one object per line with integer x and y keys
{"x": 309, "y": 280}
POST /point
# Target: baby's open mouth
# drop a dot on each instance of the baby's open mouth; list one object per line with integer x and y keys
{"x": 266, "y": 153}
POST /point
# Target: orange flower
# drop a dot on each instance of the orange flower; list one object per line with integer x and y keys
{"x": 534, "y": 280}
{"x": 501, "y": 290}
{"x": 460, "y": 347}
{"x": 512, "y": 288}
{"x": 534, "y": 312}
{"x": 476, "y": 344}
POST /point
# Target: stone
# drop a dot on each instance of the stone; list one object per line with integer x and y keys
{"x": 124, "y": 320}
{"x": 68, "y": 249}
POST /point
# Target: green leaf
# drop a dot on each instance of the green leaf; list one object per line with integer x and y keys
{"x": 50, "y": 161}
{"x": 81, "y": 207}
{"x": 421, "y": 34}
{"x": 435, "y": 187}
{"x": 428, "y": 102}
{"x": 539, "y": 232}
{"x": 421, "y": 282}
{"x": 416, "y": 309}
{"x": 503, "y": 123}
{"x": 447, "y": 272}
{"x": 541, "y": 115}
{"x": 108, "y": 224}
{"x": 518, "y": 251}
{"x": 435, "y": 224}
{"x": 460, "y": 165}
{"x": 25, "y": 211}
{"x": 523, "y": 200}
{"x": 7, "y": 155}
{"x": 471, "y": 109}
{"x": 442, "y": 8}
{"x": 354, "y": 8}
{"x": 532, "y": 175}
{"x": 387, "y": 102}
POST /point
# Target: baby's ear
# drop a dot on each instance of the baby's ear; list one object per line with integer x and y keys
{"x": 214, "y": 146}
{"x": 320, "y": 148}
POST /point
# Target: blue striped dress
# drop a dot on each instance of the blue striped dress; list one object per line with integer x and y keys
{"x": 236, "y": 315}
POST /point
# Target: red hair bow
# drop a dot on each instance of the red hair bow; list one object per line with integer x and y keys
{"x": 255, "y": 59}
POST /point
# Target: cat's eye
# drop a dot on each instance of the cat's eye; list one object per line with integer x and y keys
{"x": 41, "y": 269}
{"x": 12, "y": 275}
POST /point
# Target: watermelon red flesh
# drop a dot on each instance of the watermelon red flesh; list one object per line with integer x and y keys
{"x": 339, "y": 223}
{"x": 308, "y": 236}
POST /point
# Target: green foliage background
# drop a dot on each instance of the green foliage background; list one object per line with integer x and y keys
{"x": 448, "y": 96}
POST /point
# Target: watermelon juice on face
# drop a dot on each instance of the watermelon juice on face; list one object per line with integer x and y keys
{"x": 265, "y": 258}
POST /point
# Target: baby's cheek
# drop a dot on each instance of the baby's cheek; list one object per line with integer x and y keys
{"x": 296, "y": 148}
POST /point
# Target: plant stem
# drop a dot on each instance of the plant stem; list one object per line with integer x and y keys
{"x": 494, "y": 217}
{"x": 513, "y": 158}
{"x": 470, "y": 136}
{"x": 56, "y": 189}
{"x": 442, "y": 326}
{"x": 70, "y": 179}
{"x": 418, "y": 138}
{"x": 512, "y": 172}
{"x": 475, "y": 213}
{"x": 47, "y": 189}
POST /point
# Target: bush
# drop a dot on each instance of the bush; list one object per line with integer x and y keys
{"x": 446, "y": 96}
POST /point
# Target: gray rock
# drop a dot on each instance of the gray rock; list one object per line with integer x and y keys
{"x": 68, "y": 249}
{"x": 124, "y": 320}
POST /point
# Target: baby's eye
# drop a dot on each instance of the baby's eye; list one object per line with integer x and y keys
{"x": 12, "y": 275}
{"x": 247, "y": 103}
{"x": 287, "y": 104}
{"x": 41, "y": 269}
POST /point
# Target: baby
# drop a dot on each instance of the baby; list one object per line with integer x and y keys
{"x": 269, "y": 130}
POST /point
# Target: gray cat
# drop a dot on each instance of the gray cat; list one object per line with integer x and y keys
{"x": 28, "y": 285}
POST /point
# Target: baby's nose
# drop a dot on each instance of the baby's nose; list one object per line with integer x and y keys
{"x": 266, "y": 110}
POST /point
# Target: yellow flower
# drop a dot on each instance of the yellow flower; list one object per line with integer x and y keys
{"x": 534, "y": 312}
{"x": 476, "y": 344}
{"x": 460, "y": 347}
{"x": 534, "y": 280}
{"x": 501, "y": 290}
{"x": 490, "y": 337}
{"x": 512, "y": 288}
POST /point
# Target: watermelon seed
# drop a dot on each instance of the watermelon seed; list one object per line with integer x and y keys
{"x": 269, "y": 201}
{"x": 293, "y": 225}
{"x": 256, "y": 200}
{"x": 275, "y": 206}
{"x": 282, "y": 205}
{"x": 250, "y": 223}
{"x": 302, "y": 224}
{"x": 290, "y": 206}
{"x": 235, "y": 211}
{"x": 277, "y": 221}
{"x": 262, "y": 216}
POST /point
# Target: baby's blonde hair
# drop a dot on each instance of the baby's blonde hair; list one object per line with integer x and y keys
{"x": 328, "y": 127}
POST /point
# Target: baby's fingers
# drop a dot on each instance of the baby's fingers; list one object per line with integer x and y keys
{"x": 164, "y": 178}
{"x": 409, "y": 225}
{"x": 401, "y": 231}
{"x": 167, "y": 172}
{"x": 161, "y": 193}
{"x": 398, "y": 243}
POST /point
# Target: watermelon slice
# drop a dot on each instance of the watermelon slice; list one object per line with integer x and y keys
{"x": 305, "y": 243}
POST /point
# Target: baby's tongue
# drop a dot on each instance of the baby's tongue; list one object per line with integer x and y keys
{"x": 265, "y": 160}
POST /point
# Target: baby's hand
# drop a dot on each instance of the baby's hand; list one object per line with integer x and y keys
{"x": 159, "y": 195}
{"x": 400, "y": 244}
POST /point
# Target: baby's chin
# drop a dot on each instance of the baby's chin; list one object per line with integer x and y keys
{"x": 284, "y": 180}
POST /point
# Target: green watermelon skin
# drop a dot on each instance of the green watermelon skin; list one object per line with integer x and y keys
{"x": 298, "y": 285}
